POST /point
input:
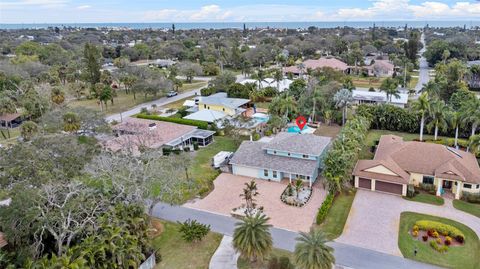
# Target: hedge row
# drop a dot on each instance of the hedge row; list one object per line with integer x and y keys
{"x": 389, "y": 117}
{"x": 323, "y": 210}
{"x": 443, "y": 229}
{"x": 199, "y": 124}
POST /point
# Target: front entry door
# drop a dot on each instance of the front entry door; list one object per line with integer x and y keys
{"x": 447, "y": 184}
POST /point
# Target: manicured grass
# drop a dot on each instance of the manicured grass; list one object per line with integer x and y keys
{"x": 178, "y": 104}
{"x": 245, "y": 263}
{"x": 465, "y": 256}
{"x": 337, "y": 216}
{"x": 202, "y": 169}
{"x": 374, "y": 135}
{"x": 470, "y": 208}
{"x": 426, "y": 198}
{"x": 328, "y": 130}
{"x": 176, "y": 253}
{"x": 362, "y": 82}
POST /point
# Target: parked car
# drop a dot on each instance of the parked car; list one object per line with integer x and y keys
{"x": 171, "y": 93}
{"x": 221, "y": 158}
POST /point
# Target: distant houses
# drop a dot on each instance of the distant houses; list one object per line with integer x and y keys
{"x": 368, "y": 97}
{"x": 315, "y": 64}
{"x": 281, "y": 85}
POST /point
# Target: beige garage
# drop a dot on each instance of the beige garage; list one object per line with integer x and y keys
{"x": 245, "y": 171}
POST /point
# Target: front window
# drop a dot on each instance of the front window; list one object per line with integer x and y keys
{"x": 467, "y": 186}
{"x": 204, "y": 106}
{"x": 274, "y": 174}
{"x": 305, "y": 156}
{"x": 265, "y": 172}
{"x": 428, "y": 180}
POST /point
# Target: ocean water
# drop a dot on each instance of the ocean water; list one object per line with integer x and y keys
{"x": 251, "y": 25}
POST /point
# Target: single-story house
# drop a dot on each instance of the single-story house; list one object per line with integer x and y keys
{"x": 10, "y": 120}
{"x": 134, "y": 133}
{"x": 218, "y": 106}
{"x": 314, "y": 64}
{"x": 281, "y": 86}
{"x": 398, "y": 163}
{"x": 363, "y": 96}
{"x": 286, "y": 156}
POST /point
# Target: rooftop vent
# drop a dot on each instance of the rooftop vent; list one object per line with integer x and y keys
{"x": 152, "y": 126}
{"x": 454, "y": 151}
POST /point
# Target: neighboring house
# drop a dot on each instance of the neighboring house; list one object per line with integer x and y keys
{"x": 218, "y": 106}
{"x": 398, "y": 163}
{"x": 163, "y": 63}
{"x": 286, "y": 156}
{"x": 133, "y": 134}
{"x": 366, "y": 97}
{"x": 381, "y": 68}
{"x": 10, "y": 120}
{"x": 314, "y": 64}
{"x": 281, "y": 86}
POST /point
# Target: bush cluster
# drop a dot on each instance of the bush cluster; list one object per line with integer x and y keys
{"x": 438, "y": 247}
{"x": 323, "y": 210}
{"x": 341, "y": 158}
{"x": 434, "y": 227}
{"x": 389, "y": 117}
{"x": 429, "y": 188}
{"x": 471, "y": 197}
{"x": 193, "y": 231}
{"x": 199, "y": 124}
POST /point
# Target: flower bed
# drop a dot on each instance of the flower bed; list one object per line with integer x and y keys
{"x": 241, "y": 211}
{"x": 289, "y": 196}
{"x": 438, "y": 235}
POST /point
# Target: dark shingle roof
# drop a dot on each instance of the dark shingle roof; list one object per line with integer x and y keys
{"x": 309, "y": 144}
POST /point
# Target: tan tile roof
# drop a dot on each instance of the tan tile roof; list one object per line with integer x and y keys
{"x": 322, "y": 62}
{"x": 426, "y": 158}
{"x": 9, "y": 116}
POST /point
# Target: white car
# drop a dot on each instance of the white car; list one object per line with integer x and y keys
{"x": 171, "y": 93}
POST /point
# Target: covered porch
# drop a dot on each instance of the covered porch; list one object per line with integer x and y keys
{"x": 449, "y": 188}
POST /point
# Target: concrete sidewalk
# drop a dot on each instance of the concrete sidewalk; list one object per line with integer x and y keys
{"x": 225, "y": 256}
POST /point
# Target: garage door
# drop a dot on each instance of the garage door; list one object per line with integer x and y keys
{"x": 365, "y": 183}
{"x": 245, "y": 171}
{"x": 388, "y": 187}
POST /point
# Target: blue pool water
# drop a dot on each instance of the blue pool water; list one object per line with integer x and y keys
{"x": 295, "y": 129}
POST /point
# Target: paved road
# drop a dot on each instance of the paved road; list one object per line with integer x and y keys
{"x": 424, "y": 70}
{"x": 346, "y": 255}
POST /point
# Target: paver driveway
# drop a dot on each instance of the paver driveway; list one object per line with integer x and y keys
{"x": 226, "y": 196}
{"x": 374, "y": 220}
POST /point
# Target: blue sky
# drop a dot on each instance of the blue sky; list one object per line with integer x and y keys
{"x": 77, "y": 11}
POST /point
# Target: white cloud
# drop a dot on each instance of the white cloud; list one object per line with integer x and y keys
{"x": 32, "y": 3}
{"x": 440, "y": 10}
{"x": 84, "y": 7}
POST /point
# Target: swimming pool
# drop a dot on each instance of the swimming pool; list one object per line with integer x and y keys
{"x": 295, "y": 129}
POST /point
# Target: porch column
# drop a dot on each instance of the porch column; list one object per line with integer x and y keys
{"x": 372, "y": 185}
{"x": 290, "y": 178}
{"x": 310, "y": 181}
{"x": 439, "y": 187}
{"x": 459, "y": 190}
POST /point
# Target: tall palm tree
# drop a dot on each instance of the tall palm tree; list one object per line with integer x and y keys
{"x": 437, "y": 114}
{"x": 288, "y": 105}
{"x": 342, "y": 100}
{"x": 474, "y": 143}
{"x": 311, "y": 251}
{"x": 390, "y": 87}
{"x": 260, "y": 77}
{"x": 278, "y": 76}
{"x": 472, "y": 114}
{"x": 252, "y": 237}
{"x": 422, "y": 106}
{"x": 454, "y": 119}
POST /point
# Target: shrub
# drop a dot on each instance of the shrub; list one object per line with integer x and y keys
{"x": 323, "y": 210}
{"x": 415, "y": 228}
{"x": 439, "y": 248}
{"x": 193, "y": 231}
{"x": 448, "y": 241}
{"x": 268, "y": 132}
{"x": 430, "y": 188}
{"x": 389, "y": 117}
{"x": 255, "y": 136}
{"x": 199, "y": 124}
{"x": 280, "y": 263}
{"x": 195, "y": 145}
{"x": 208, "y": 91}
{"x": 435, "y": 234}
{"x": 410, "y": 191}
{"x": 471, "y": 197}
{"x": 425, "y": 238}
{"x": 430, "y": 232}
{"x": 434, "y": 226}
{"x": 439, "y": 241}
{"x": 415, "y": 233}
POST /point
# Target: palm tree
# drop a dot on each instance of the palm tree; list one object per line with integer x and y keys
{"x": 57, "y": 96}
{"x": 298, "y": 186}
{"x": 28, "y": 130}
{"x": 342, "y": 99}
{"x": 71, "y": 122}
{"x": 474, "y": 143}
{"x": 472, "y": 114}
{"x": 287, "y": 105}
{"x": 438, "y": 117}
{"x": 278, "y": 76}
{"x": 252, "y": 237}
{"x": 454, "y": 119}
{"x": 249, "y": 193}
{"x": 260, "y": 77}
{"x": 422, "y": 106}
{"x": 390, "y": 87}
{"x": 311, "y": 251}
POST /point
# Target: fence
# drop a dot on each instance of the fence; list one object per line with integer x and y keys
{"x": 149, "y": 263}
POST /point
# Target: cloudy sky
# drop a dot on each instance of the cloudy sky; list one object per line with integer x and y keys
{"x": 78, "y": 11}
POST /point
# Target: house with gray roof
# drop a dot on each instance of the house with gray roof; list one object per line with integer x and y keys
{"x": 218, "y": 106}
{"x": 286, "y": 156}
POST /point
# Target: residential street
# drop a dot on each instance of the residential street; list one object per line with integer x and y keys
{"x": 424, "y": 70}
{"x": 346, "y": 255}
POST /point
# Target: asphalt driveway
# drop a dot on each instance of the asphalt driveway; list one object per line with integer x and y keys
{"x": 374, "y": 220}
{"x": 226, "y": 196}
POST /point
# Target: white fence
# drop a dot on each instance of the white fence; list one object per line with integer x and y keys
{"x": 149, "y": 263}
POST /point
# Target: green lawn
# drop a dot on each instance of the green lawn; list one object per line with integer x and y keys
{"x": 202, "y": 169}
{"x": 464, "y": 257}
{"x": 176, "y": 253}
{"x": 367, "y": 82}
{"x": 179, "y": 103}
{"x": 245, "y": 263}
{"x": 374, "y": 135}
{"x": 470, "y": 208}
{"x": 426, "y": 198}
{"x": 337, "y": 215}
{"x": 328, "y": 130}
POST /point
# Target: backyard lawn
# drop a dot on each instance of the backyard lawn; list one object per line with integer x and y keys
{"x": 463, "y": 256}
{"x": 328, "y": 130}
{"x": 14, "y": 134}
{"x": 202, "y": 168}
{"x": 367, "y": 82}
{"x": 337, "y": 216}
{"x": 426, "y": 198}
{"x": 470, "y": 208}
{"x": 245, "y": 263}
{"x": 176, "y": 253}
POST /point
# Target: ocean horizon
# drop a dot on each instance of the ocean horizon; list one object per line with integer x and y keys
{"x": 250, "y": 25}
